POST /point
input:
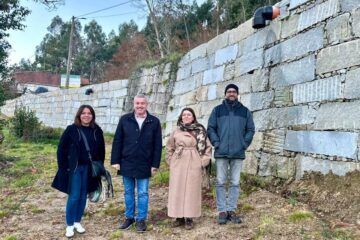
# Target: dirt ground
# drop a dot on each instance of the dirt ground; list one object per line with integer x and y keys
{"x": 317, "y": 207}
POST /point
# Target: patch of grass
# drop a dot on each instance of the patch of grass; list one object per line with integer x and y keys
{"x": 36, "y": 210}
{"x": 10, "y": 238}
{"x": 299, "y": 216}
{"x": 337, "y": 234}
{"x": 113, "y": 210}
{"x": 24, "y": 181}
{"x": 161, "y": 178}
{"x": 293, "y": 201}
{"x": 116, "y": 235}
{"x": 252, "y": 183}
{"x": 4, "y": 213}
{"x": 246, "y": 207}
{"x": 265, "y": 226}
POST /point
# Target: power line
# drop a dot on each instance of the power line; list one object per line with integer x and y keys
{"x": 111, "y": 15}
{"x": 104, "y": 9}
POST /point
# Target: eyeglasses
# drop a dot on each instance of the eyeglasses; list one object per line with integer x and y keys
{"x": 231, "y": 91}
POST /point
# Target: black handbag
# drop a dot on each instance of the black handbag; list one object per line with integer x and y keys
{"x": 97, "y": 167}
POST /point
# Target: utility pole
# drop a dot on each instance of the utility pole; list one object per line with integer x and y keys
{"x": 68, "y": 65}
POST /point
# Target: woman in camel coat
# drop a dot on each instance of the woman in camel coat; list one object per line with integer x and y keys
{"x": 188, "y": 151}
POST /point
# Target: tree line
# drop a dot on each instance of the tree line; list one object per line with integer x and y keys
{"x": 172, "y": 27}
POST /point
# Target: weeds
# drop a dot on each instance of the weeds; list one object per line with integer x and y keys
{"x": 116, "y": 235}
{"x": 299, "y": 216}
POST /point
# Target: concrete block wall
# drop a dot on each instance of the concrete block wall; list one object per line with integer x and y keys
{"x": 299, "y": 76}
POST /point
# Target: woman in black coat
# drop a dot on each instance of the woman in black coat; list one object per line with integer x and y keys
{"x": 73, "y": 176}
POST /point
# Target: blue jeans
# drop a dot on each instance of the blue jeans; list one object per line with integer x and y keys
{"x": 76, "y": 201}
{"x": 222, "y": 171}
{"x": 142, "y": 197}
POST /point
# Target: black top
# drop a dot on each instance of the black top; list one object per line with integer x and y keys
{"x": 89, "y": 134}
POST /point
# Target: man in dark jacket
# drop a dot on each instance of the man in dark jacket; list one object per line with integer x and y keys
{"x": 230, "y": 130}
{"x": 136, "y": 154}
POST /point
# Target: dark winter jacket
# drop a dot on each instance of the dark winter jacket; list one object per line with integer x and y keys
{"x": 68, "y": 155}
{"x": 231, "y": 130}
{"x": 137, "y": 150}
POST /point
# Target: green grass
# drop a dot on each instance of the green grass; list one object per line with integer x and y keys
{"x": 10, "y": 238}
{"x": 116, "y": 235}
{"x": 299, "y": 216}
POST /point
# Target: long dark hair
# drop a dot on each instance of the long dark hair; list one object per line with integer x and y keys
{"x": 77, "y": 120}
{"x": 186, "y": 109}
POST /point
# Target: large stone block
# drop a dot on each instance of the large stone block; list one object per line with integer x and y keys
{"x": 202, "y": 93}
{"x": 257, "y": 142}
{"x": 259, "y": 80}
{"x": 200, "y": 65}
{"x": 296, "y": 3}
{"x": 183, "y": 72}
{"x": 292, "y": 73}
{"x": 211, "y": 92}
{"x": 250, "y": 164}
{"x": 318, "y": 13}
{"x": 274, "y": 141}
{"x": 198, "y": 52}
{"x": 241, "y": 32}
{"x": 319, "y": 90}
{"x": 309, "y": 164}
{"x": 278, "y": 166}
{"x": 283, "y": 96}
{"x": 356, "y": 19}
{"x": 262, "y": 37}
{"x": 218, "y": 42}
{"x": 227, "y": 54}
{"x": 334, "y": 116}
{"x": 213, "y": 75}
{"x": 229, "y": 71}
{"x": 187, "y": 98}
{"x": 352, "y": 84}
{"x": 257, "y": 101}
{"x": 289, "y": 26}
{"x": 338, "y": 57}
{"x": 342, "y": 144}
{"x": 348, "y": 5}
{"x": 295, "y": 47}
{"x": 338, "y": 29}
{"x": 284, "y": 117}
{"x": 184, "y": 86}
{"x": 248, "y": 62}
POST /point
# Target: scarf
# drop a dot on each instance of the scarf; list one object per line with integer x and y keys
{"x": 198, "y": 132}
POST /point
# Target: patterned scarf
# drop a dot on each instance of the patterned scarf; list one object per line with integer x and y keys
{"x": 199, "y": 133}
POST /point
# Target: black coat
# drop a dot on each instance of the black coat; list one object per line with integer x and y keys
{"x": 68, "y": 155}
{"x": 137, "y": 150}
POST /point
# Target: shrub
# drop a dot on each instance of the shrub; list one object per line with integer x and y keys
{"x": 24, "y": 123}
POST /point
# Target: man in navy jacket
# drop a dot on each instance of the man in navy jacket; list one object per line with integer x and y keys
{"x": 230, "y": 130}
{"x": 136, "y": 154}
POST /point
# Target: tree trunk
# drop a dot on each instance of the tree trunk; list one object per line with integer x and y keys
{"x": 153, "y": 20}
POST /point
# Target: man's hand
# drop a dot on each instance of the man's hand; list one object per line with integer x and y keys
{"x": 116, "y": 166}
{"x": 153, "y": 171}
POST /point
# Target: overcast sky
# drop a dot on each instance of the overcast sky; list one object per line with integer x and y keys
{"x": 24, "y": 42}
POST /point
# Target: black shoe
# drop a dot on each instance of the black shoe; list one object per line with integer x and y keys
{"x": 233, "y": 218}
{"x": 141, "y": 226}
{"x": 127, "y": 224}
{"x": 223, "y": 217}
{"x": 178, "y": 222}
{"x": 189, "y": 224}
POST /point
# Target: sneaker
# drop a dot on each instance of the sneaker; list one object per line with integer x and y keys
{"x": 189, "y": 224}
{"x": 79, "y": 228}
{"x": 233, "y": 218}
{"x": 127, "y": 224}
{"x": 141, "y": 226}
{"x": 69, "y": 231}
{"x": 223, "y": 217}
{"x": 178, "y": 222}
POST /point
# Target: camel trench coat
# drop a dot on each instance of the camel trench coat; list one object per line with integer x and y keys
{"x": 185, "y": 174}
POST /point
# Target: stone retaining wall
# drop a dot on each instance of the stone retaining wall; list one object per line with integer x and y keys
{"x": 299, "y": 76}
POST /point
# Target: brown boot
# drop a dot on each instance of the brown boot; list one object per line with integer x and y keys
{"x": 178, "y": 222}
{"x": 189, "y": 224}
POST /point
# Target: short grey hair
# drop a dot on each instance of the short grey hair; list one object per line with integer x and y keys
{"x": 140, "y": 95}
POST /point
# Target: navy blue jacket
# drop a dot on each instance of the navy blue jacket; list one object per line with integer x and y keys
{"x": 68, "y": 153}
{"x": 230, "y": 130}
{"x": 137, "y": 150}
